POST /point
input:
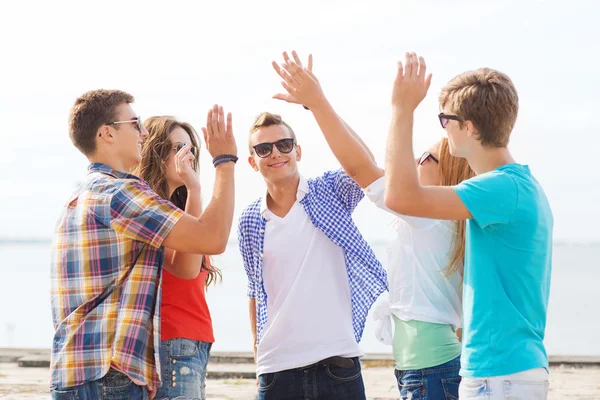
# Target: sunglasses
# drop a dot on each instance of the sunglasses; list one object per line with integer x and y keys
{"x": 445, "y": 118}
{"x": 138, "y": 123}
{"x": 284, "y": 146}
{"x": 180, "y": 145}
{"x": 427, "y": 155}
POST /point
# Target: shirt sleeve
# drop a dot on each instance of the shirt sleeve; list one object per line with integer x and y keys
{"x": 246, "y": 259}
{"x": 491, "y": 198}
{"x": 376, "y": 193}
{"x": 345, "y": 188}
{"x": 138, "y": 213}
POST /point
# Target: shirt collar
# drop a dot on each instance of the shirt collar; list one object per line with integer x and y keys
{"x": 303, "y": 189}
{"x": 105, "y": 169}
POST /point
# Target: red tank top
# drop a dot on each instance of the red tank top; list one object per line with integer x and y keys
{"x": 184, "y": 312}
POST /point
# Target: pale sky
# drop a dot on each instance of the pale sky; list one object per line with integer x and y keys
{"x": 179, "y": 58}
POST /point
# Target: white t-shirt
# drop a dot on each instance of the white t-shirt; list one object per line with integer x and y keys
{"x": 419, "y": 288}
{"x": 308, "y": 293}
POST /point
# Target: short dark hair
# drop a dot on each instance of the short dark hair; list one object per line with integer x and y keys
{"x": 90, "y": 111}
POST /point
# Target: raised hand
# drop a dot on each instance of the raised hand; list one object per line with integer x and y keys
{"x": 218, "y": 135}
{"x": 301, "y": 85}
{"x": 411, "y": 84}
{"x": 184, "y": 161}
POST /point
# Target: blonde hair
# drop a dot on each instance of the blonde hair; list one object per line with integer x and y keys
{"x": 453, "y": 170}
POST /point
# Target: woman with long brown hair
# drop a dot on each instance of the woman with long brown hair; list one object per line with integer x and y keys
{"x": 171, "y": 148}
{"x": 425, "y": 265}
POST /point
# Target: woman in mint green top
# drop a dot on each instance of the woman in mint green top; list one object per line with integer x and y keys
{"x": 425, "y": 279}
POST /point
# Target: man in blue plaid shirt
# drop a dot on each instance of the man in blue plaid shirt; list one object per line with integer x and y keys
{"x": 312, "y": 277}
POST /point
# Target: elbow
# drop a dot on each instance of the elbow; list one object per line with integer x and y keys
{"x": 217, "y": 246}
{"x": 396, "y": 203}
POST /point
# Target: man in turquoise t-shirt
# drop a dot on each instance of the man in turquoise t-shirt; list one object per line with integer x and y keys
{"x": 508, "y": 254}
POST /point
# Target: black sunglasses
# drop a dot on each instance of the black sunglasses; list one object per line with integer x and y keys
{"x": 284, "y": 146}
{"x": 427, "y": 155}
{"x": 180, "y": 145}
{"x": 444, "y": 118}
{"x": 138, "y": 123}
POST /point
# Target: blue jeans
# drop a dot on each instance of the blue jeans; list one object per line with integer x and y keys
{"x": 435, "y": 383}
{"x": 183, "y": 365}
{"x": 319, "y": 382}
{"x": 112, "y": 386}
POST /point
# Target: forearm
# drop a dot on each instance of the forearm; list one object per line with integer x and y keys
{"x": 346, "y": 146}
{"x": 400, "y": 168}
{"x": 252, "y": 313}
{"x": 358, "y": 139}
{"x": 187, "y": 265}
{"x": 219, "y": 212}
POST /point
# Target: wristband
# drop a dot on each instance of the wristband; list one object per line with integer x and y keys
{"x": 224, "y": 158}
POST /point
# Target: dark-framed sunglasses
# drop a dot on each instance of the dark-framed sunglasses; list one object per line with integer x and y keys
{"x": 138, "y": 123}
{"x": 427, "y": 155}
{"x": 265, "y": 149}
{"x": 445, "y": 118}
{"x": 180, "y": 145}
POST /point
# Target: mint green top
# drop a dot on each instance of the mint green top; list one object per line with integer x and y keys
{"x": 419, "y": 344}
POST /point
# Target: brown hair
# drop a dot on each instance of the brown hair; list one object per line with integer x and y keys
{"x": 488, "y": 99}
{"x": 152, "y": 169}
{"x": 90, "y": 111}
{"x": 453, "y": 170}
{"x": 264, "y": 120}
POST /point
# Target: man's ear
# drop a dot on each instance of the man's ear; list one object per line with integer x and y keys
{"x": 105, "y": 134}
{"x": 471, "y": 130}
{"x": 298, "y": 152}
{"x": 252, "y": 163}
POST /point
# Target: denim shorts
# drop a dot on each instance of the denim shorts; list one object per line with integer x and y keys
{"x": 183, "y": 365}
{"x": 436, "y": 383}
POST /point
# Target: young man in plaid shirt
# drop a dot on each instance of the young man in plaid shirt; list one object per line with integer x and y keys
{"x": 108, "y": 252}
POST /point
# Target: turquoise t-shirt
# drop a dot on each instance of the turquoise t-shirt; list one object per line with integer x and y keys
{"x": 508, "y": 260}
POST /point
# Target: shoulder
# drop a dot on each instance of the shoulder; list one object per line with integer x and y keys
{"x": 251, "y": 211}
{"x": 250, "y": 216}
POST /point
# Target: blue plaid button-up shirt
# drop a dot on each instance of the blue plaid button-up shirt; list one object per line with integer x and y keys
{"x": 329, "y": 203}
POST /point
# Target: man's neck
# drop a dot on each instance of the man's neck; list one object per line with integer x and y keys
{"x": 112, "y": 162}
{"x": 281, "y": 195}
{"x": 486, "y": 159}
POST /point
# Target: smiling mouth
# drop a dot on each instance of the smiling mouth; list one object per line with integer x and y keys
{"x": 278, "y": 165}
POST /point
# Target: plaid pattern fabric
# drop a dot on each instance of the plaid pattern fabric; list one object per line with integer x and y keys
{"x": 329, "y": 204}
{"x": 104, "y": 311}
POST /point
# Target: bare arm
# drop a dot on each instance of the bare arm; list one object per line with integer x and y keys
{"x": 403, "y": 194}
{"x": 353, "y": 155}
{"x": 303, "y": 88}
{"x": 355, "y": 135}
{"x": 186, "y": 265}
{"x": 252, "y": 312}
{"x": 209, "y": 233}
